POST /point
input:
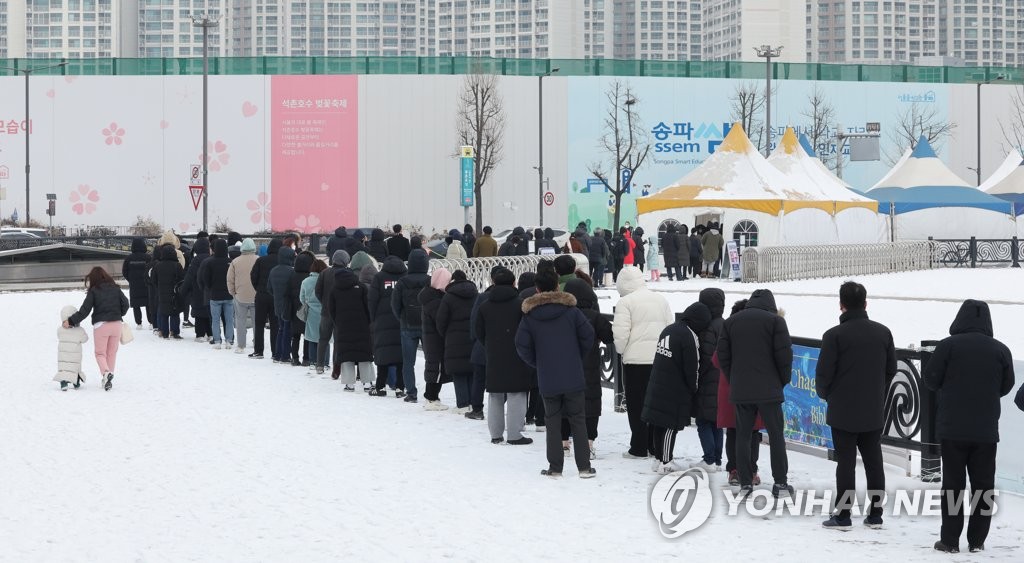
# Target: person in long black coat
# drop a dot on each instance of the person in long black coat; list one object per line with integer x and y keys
{"x": 712, "y": 439}
{"x": 398, "y": 245}
{"x": 349, "y": 303}
{"x": 434, "y": 374}
{"x": 453, "y": 320}
{"x": 670, "y": 249}
{"x": 640, "y": 252}
{"x": 134, "y": 270}
{"x": 165, "y": 276}
{"x": 971, "y": 371}
{"x": 387, "y": 331}
{"x": 377, "y": 248}
{"x": 669, "y": 403}
{"x": 593, "y": 366}
{"x": 303, "y": 265}
{"x": 468, "y": 239}
{"x": 260, "y": 277}
{"x": 508, "y": 378}
{"x": 197, "y": 299}
{"x": 278, "y": 284}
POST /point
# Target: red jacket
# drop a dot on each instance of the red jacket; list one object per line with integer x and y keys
{"x": 627, "y": 260}
{"x": 727, "y": 410}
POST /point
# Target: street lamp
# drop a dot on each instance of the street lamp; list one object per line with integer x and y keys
{"x": 977, "y": 170}
{"x": 206, "y": 23}
{"x": 540, "y": 143}
{"x": 28, "y": 167}
{"x": 768, "y": 53}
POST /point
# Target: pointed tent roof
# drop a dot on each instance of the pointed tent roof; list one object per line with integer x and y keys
{"x": 1007, "y": 183}
{"x": 792, "y": 159}
{"x": 806, "y": 144}
{"x": 921, "y": 181}
{"x": 736, "y": 176}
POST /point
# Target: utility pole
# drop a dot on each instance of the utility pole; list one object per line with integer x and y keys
{"x": 977, "y": 169}
{"x": 28, "y": 161}
{"x": 540, "y": 145}
{"x": 206, "y": 23}
{"x": 767, "y": 52}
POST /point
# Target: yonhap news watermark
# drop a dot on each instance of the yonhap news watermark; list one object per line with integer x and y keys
{"x": 681, "y": 502}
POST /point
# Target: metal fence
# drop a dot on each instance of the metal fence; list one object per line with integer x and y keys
{"x": 479, "y": 269}
{"x": 974, "y": 252}
{"x": 782, "y": 263}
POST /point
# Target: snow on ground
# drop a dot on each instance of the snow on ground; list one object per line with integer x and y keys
{"x": 916, "y": 306}
{"x": 204, "y": 455}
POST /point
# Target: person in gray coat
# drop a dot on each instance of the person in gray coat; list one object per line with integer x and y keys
{"x": 599, "y": 254}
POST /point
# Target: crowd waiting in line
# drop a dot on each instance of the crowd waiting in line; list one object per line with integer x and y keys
{"x": 532, "y": 345}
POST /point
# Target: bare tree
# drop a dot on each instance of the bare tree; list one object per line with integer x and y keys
{"x": 480, "y": 123}
{"x": 624, "y": 140}
{"x": 822, "y": 117}
{"x": 916, "y": 120}
{"x": 747, "y": 107}
{"x": 1013, "y": 132}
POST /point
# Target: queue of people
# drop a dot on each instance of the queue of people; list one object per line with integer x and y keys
{"x": 531, "y": 347}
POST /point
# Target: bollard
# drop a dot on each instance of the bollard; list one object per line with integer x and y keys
{"x": 973, "y": 251}
{"x": 1014, "y": 252}
{"x": 931, "y": 458}
{"x": 314, "y": 243}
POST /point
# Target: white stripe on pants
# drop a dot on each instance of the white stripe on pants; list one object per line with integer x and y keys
{"x": 512, "y": 415}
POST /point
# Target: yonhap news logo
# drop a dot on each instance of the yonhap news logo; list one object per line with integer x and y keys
{"x": 681, "y": 502}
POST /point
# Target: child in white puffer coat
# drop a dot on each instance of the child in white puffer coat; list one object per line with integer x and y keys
{"x": 69, "y": 351}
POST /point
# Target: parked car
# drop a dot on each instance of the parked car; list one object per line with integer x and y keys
{"x": 561, "y": 236}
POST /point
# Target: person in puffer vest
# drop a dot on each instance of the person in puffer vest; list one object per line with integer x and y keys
{"x": 69, "y": 351}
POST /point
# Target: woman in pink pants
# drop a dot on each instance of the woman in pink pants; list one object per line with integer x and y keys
{"x": 108, "y": 305}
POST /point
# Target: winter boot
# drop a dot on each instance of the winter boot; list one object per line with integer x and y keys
{"x": 107, "y": 381}
{"x": 837, "y": 523}
{"x": 63, "y": 385}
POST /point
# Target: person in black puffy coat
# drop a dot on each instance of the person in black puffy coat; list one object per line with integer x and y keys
{"x": 303, "y": 265}
{"x": 376, "y": 247}
{"x": 712, "y": 438}
{"x": 593, "y": 368}
{"x": 970, "y": 370}
{"x": 387, "y": 332}
{"x": 135, "y": 268}
{"x": 755, "y": 353}
{"x": 670, "y": 249}
{"x": 508, "y": 378}
{"x": 672, "y": 390}
{"x": 434, "y": 374}
{"x": 405, "y": 305}
{"x": 453, "y": 319}
{"x": 338, "y": 241}
{"x": 165, "y": 277}
{"x": 213, "y": 278}
{"x": 398, "y": 245}
{"x": 640, "y": 252}
{"x": 198, "y": 300}
{"x": 278, "y": 283}
{"x": 260, "y": 277}
{"x": 349, "y": 303}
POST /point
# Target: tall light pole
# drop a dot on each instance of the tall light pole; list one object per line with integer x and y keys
{"x": 206, "y": 23}
{"x": 767, "y": 52}
{"x": 977, "y": 170}
{"x": 28, "y": 162}
{"x": 540, "y": 144}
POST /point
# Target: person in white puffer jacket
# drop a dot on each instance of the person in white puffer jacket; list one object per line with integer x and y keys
{"x": 69, "y": 351}
{"x": 640, "y": 316}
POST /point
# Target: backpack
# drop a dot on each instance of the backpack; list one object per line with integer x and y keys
{"x": 177, "y": 299}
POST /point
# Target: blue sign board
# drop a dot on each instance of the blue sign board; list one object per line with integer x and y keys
{"x": 627, "y": 178}
{"x": 466, "y": 199}
{"x": 804, "y": 411}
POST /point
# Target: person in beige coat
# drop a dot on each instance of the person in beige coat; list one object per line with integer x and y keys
{"x": 69, "y": 351}
{"x": 170, "y": 238}
{"x": 241, "y": 289}
{"x": 640, "y": 316}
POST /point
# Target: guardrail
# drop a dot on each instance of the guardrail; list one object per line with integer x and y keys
{"x": 479, "y": 269}
{"x": 783, "y": 263}
{"x": 974, "y": 252}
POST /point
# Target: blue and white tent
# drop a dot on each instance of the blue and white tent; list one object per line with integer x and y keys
{"x": 1007, "y": 183}
{"x": 923, "y": 198}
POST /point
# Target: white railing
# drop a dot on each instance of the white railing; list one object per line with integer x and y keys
{"x": 479, "y": 269}
{"x": 781, "y": 263}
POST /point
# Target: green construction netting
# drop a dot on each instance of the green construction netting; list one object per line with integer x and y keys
{"x": 516, "y": 67}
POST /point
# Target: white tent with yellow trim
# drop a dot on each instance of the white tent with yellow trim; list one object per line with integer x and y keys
{"x": 752, "y": 199}
{"x": 855, "y": 217}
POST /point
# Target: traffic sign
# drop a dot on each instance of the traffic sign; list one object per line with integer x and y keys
{"x": 197, "y": 195}
{"x": 195, "y": 175}
{"x": 549, "y": 199}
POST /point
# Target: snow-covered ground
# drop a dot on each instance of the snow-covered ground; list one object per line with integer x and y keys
{"x": 204, "y": 455}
